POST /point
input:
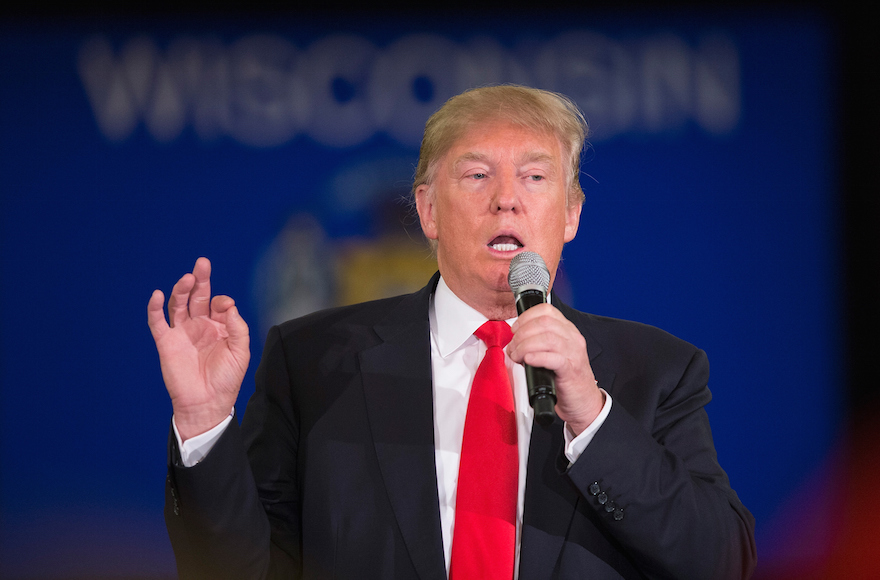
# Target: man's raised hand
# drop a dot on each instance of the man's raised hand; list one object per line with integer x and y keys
{"x": 204, "y": 351}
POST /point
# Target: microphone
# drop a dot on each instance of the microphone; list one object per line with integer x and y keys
{"x": 529, "y": 279}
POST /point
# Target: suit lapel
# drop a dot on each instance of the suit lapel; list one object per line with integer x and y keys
{"x": 397, "y": 385}
{"x": 550, "y": 500}
{"x": 399, "y": 398}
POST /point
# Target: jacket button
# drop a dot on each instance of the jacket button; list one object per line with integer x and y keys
{"x": 618, "y": 514}
{"x": 602, "y": 498}
{"x": 594, "y": 488}
{"x": 609, "y": 507}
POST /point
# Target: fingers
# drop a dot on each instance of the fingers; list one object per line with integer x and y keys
{"x": 220, "y": 304}
{"x": 537, "y": 313}
{"x": 239, "y": 337}
{"x": 544, "y": 337}
{"x": 223, "y": 310}
{"x": 200, "y": 296}
{"x": 191, "y": 296}
{"x": 156, "y": 314}
{"x": 178, "y": 303}
{"x": 540, "y": 322}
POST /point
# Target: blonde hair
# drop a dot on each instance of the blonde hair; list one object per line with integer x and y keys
{"x": 534, "y": 109}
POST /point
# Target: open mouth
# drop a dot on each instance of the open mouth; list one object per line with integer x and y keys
{"x": 505, "y": 244}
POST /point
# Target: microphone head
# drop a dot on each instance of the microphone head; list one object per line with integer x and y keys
{"x": 528, "y": 269}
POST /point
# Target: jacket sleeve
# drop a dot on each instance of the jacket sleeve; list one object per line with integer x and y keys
{"x": 652, "y": 477}
{"x": 220, "y": 523}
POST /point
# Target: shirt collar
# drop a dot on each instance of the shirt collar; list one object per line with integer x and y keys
{"x": 453, "y": 322}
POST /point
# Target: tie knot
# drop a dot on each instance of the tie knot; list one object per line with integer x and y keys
{"x": 494, "y": 333}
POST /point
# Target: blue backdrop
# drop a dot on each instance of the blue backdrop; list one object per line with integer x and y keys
{"x": 283, "y": 151}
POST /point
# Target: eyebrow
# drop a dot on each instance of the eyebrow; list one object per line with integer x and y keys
{"x": 469, "y": 156}
{"x": 537, "y": 157}
{"x": 529, "y": 157}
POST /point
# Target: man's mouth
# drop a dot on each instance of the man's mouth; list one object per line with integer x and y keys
{"x": 505, "y": 244}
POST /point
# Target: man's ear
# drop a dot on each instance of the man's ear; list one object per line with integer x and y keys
{"x": 572, "y": 221}
{"x": 427, "y": 211}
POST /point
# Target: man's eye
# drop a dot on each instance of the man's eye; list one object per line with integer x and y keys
{"x": 536, "y": 177}
{"x": 478, "y": 175}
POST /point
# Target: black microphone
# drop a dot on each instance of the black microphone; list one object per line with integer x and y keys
{"x": 529, "y": 279}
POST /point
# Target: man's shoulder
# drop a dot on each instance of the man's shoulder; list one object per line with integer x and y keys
{"x": 395, "y": 311}
{"x": 625, "y": 334}
{"x": 352, "y": 314}
{"x": 635, "y": 350}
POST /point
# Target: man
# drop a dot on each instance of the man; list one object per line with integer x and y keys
{"x": 357, "y": 457}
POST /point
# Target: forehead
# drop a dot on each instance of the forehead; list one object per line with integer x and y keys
{"x": 498, "y": 141}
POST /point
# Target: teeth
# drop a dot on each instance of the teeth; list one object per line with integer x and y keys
{"x": 505, "y": 247}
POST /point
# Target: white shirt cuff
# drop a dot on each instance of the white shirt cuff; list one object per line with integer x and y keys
{"x": 574, "y": 446}
{"x": 196, "y": 448}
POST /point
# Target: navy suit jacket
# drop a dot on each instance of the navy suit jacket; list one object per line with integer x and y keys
{"x": 332, "y": 472}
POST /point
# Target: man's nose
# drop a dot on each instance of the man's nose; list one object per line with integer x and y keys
{"x": 504, "y": 195}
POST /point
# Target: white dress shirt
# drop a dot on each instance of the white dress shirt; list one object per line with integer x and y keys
{"x": 455, "y": 355}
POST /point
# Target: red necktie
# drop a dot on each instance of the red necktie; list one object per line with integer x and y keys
{"x": 484, "y": 536}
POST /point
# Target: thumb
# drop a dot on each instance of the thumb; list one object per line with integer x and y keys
{"x": 156, "y": 314}
{"x": 237, "y": 328}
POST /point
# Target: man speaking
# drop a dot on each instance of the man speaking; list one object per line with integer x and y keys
{"x": 394, "y": 439}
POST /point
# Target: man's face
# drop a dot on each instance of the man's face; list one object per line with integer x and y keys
{"x": 500, "y": 190}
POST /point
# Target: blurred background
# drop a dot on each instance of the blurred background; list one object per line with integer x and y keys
{"x": 731, "y": 199}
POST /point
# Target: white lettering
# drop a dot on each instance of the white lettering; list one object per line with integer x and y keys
{"x": 117, "y": 90}
{"x": 666, "y": 83}
{"x": 268, "y": 100}
{"x": 263, "y": 91}
{"x": 338, "y": 74}
{"x": 598, "y": 74}
{"x": 717, "y": 79}
{"x": 411, "y": 79}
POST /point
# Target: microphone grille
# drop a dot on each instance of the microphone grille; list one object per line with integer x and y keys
{"x": 528, "y": 269}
